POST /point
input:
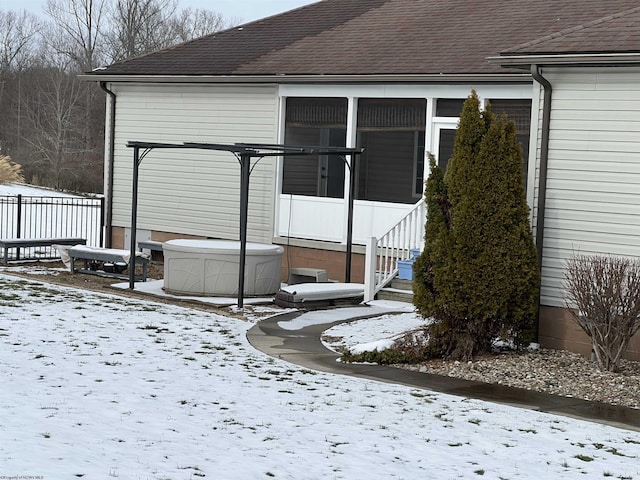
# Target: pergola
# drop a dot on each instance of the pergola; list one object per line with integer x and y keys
{"x": 245, "y": 153}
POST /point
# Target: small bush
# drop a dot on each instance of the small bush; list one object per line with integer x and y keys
{"x": 10, "y": 172}
{"x": 603, "y": 295}
{"x": 409, "y": 348}
{"x": 381, "y": 357}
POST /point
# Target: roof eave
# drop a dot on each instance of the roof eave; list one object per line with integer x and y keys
{"x": 568, "y": 59}
{"x": 311, "y": 79}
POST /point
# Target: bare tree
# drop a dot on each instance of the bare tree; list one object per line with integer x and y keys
{"x": 603, "y": 295}
{"x": 19, "y": 44}
{"x": 190, "y": 24}
{"x": 76, "y": 42}
{"x": 54, "y": 113}
{"x": 18, "y": 38}
{"x": 140, "y": 26}
{"x": 53, "y": 124}
{"x": 78, "y": 27}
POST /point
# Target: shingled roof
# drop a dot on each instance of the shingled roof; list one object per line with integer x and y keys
{"x": 377, "y": 37}
{"x": 617, "y": 33}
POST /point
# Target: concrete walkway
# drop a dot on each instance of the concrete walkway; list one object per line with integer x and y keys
{"x": 303, "y": 347}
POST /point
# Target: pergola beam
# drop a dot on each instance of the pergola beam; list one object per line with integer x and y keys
{"x": 244, "y": 152}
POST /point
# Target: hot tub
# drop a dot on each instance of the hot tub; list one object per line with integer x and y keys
{"x": 210, "y": 267}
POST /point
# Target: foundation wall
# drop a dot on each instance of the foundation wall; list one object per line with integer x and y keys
{"x": 331, "y": 261}
{"x": 117, "y": 237}
{"x": 558, "y": 330}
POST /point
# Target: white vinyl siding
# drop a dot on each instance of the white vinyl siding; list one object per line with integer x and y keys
{"x": 193, "y": 191}
{"x": 593, "y": 182}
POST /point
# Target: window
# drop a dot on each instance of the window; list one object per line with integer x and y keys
{"x": 445, "y": 131}
{"x": 518, "y": 110}
{"x": 446, "y": 141}
{"x": 392, "y": 133}
{"x": 315, "y": 122}
{"x": 449, "y": 107}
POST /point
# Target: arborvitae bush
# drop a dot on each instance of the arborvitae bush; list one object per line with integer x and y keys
{"x": 479, "y": 272}
{"x": 431, "y": 258}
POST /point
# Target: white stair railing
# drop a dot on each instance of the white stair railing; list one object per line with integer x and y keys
{"x": 383, "y": 253}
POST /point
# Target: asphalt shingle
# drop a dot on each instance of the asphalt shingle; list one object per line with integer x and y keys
{"x": 369, "y": 37}
{"x": 617, "y": 33}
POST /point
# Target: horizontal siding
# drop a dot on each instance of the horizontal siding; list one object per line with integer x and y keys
{"x": 593, "y": 186}
{"x": 193, "y": 191}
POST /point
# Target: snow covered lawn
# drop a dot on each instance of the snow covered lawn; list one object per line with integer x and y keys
{"x": 98, "y": 387}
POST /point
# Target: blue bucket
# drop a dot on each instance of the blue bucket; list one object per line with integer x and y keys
{"x": 405, "y": 269}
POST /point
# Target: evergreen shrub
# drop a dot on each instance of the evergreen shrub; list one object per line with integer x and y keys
{"x": 478, "y": 275}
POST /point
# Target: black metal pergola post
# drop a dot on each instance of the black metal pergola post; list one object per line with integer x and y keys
{"x": 245, "y": 173}
{"x": 244, "y": 153}
{"x": 352, "y": 188}
{"x": 134, "y": 217}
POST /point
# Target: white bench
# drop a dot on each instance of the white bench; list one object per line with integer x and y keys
{"x": 18, "y": 243}
{"x": 109, "y": 255}
{"x": 152, "y": 246}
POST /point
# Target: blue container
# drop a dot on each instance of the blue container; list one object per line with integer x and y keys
{"x": 415, "y": 252}
{"x": 405, "y": 269}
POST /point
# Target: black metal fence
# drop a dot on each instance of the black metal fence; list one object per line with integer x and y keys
{"x": 51, "y": 217}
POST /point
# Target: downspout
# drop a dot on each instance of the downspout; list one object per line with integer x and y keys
{"x": 542, "y": 182}
{"x": 112, "y": 144}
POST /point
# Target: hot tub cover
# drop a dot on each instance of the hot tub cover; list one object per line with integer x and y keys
{"x": 221, "y": 246}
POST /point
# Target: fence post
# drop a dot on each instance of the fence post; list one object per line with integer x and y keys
{"x": 19, "y": 217}
{"x": 102, "y": 222}
{"x": 19, "y": 224}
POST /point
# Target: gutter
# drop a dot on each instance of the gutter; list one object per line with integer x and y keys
{"x": 274, "y": 79}
{"x": 566, "y": 59}
{"x": 111, "y": 157}
{"x": 542, "y": 182}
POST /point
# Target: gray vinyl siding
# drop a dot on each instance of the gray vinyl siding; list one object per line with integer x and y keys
{"x": 593, "y": 186}
{"x": 189, "y": 191}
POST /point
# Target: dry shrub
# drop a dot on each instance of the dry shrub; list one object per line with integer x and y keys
{"x": 603, "y": 295}
{"x": 10, "y": 172}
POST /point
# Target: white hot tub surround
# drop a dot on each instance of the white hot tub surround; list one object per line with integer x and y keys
{"x": 210, "y": 267}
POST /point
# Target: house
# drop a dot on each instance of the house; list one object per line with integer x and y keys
{"x": 386, "y": 75}
{"x": 586, "y": 105}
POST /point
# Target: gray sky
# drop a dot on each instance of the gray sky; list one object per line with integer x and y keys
{"x": 247, "y": 10}
{"x": 243, "y": 10}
